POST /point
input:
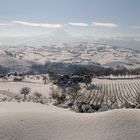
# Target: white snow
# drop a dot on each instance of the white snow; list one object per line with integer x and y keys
{"x": 76, "y": 53}
{"x": 29, "y": 121}
{"x": 15, "y": 87}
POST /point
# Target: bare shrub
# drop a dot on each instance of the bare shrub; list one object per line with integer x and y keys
{"x": 138, "y": 98}
{"x": 4, "y": 99}
{"x": 39, "y": 98}
{"x": 73, "y": 92}
{"x": 18, "y": 98}
{"x": 57, "y": 95}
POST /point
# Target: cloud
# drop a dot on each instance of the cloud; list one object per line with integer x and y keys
{"x": 105, "y": 24}
{"x": 41, "y": 25}
{"x": 136, "y": 27}
{"x": 78, "y": 24}
{"x": 137, "y": 39}
{"x": 5, "y": 24}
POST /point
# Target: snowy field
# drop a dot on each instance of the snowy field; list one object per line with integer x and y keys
{"x": 28, "y": 121}
{"x": 34, "y": 121}
{"x": 122, "y": 90}
{"x": 15, "y": 87}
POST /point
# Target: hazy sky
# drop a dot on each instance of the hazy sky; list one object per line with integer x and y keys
{"x": 100, "y": 18}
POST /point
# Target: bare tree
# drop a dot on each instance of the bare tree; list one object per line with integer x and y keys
{"x": 25, "y": 91}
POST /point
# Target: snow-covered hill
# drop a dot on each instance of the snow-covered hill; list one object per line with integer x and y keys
{"x": 81, "y": 53}
{"x": 29, "y": 121}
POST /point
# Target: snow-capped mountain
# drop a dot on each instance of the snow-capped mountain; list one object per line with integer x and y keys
{"x": 81, "y": 53}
